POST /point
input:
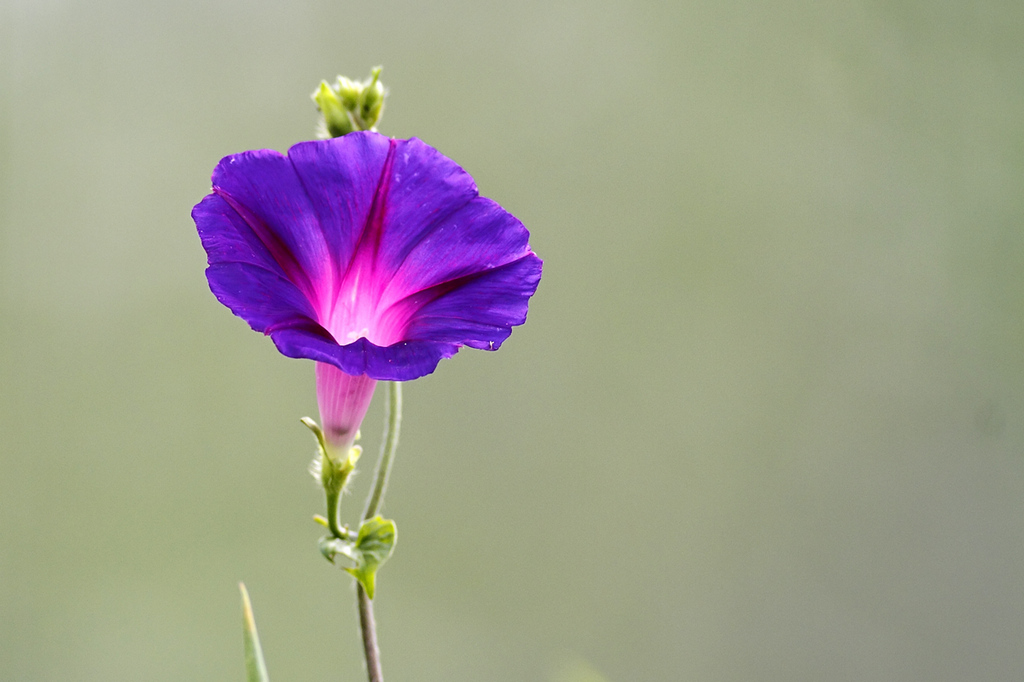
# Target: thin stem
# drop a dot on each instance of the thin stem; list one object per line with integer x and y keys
{"x": 369, "y": 628}
{"x": 393, "y": 424}
{"x": 333, "y": 500}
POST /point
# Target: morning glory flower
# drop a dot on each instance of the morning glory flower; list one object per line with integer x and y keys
{"x": 373, "y": 256}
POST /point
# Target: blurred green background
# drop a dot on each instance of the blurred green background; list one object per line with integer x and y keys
{"x": 765, "y": 422}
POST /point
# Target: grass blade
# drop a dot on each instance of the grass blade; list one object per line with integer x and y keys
{"x": 255, "y": 666}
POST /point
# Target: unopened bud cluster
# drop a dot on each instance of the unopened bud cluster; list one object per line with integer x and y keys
{"x": 350, "y": 105}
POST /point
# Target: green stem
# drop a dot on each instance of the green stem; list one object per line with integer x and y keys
{"x": 393, "y": 424}
{"x": 333, "y": 502}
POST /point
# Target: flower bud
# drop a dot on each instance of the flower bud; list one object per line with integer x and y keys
{"x": 371, "y": 100}
{"x": 350, "y": 105}
{"x": 348, "y": 92}
{"x": 336, "y": 120}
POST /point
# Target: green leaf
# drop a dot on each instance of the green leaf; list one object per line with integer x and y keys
{"x": 373, "y": 546}
{"x": 255, "y": 667}
{"x": 331, "y": 546}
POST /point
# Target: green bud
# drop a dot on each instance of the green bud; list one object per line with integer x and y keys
{"x": 350, "y": 105}
{"x": 348, "y": 92}
{"x": 336, "y": 120}
{"x": 371, "y": 104}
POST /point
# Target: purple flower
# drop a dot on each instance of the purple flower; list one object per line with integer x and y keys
{"x": 374, "y": 257}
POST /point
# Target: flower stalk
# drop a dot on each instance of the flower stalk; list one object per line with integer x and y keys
{"x": 389, "y": 443}
{"x": 368, "y": 626}
{"x": 333, "y": 473}
{"x": 375, "y": 541}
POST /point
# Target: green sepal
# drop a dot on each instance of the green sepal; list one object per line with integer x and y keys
{"x": 255, "y": 666}
{"x": 373, "y": 546}
{"x": 332, "y": 471}
{"x": 318, "y": 433}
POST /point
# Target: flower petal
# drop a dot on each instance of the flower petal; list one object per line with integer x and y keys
{"x": 477, "y": 310}
{"x": 479, "y": 236}
{"x": 423, "y": 188}
{"x": 365, "y": 237}
{"x": 262, "y": 298}
{"x": 263, "y": 188}
{"x": 402, "y": 361}
{"x": 229, "y": 239}
{"x": 341, "y": 178}
{"x": 343, "y": 400}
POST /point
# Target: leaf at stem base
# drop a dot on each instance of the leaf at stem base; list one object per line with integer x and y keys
{"x": 373, "y": 546}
